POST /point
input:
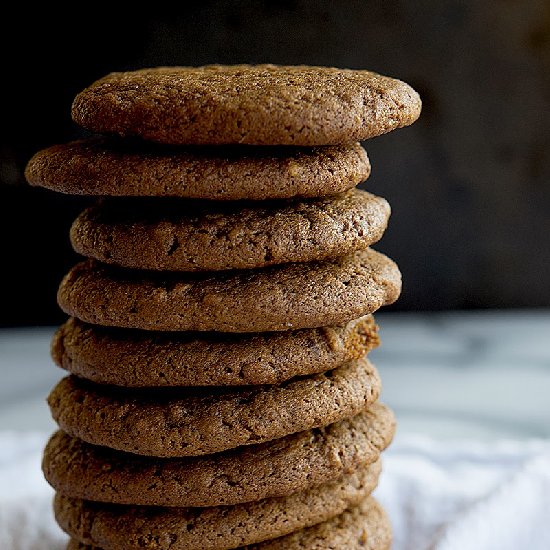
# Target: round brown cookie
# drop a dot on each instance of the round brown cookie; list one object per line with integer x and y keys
{"x": 183, "y": 236}
{"x": 277, "y": 468}
{"x": 134, "y": 358}
{"x": 290, "y": 296}
{"x": 113, "y": 526}
{"x": 171, "y": 422}
{"x": 247, "y": 104}
{"x": 109, "y": 167}
{"x": 362, "y": 527}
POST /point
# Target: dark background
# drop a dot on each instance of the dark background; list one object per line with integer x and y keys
{"x": 469, "y": 183}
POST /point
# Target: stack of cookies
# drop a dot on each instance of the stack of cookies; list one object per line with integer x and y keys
{"x": 219, "y": 393}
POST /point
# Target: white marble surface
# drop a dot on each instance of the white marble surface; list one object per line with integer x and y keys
{"x": 449, "y": 375}
{"x": 468, "y": 375}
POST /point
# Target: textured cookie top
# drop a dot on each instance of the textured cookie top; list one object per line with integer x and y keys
{"x": 179, "y": 422}
{"x": 362, "y": 527}
{"x": 113, "y": 526}
{"x": 183, "y": 236}
{"x": 135, "y": 358}
{"x": 290, "y": 296}
{"x": 108, "y": 167}
{"x": 247, "y": 104}
{"x": 277, "y": 468}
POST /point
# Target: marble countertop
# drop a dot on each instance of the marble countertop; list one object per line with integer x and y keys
{"x": 478, "y": 375}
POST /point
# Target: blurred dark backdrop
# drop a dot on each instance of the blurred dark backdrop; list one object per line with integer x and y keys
{"x": 469, "y": 182}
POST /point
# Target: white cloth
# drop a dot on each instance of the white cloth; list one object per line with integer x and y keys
{"x": 440, "y": 495}
{"x": 467, "y": 495}
{"x": 26, "y": 519}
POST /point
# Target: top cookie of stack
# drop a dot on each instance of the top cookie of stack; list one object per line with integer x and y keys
{"x": 268, "y": 281}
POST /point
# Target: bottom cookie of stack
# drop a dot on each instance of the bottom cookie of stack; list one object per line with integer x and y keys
{"x": 361, "y": 527}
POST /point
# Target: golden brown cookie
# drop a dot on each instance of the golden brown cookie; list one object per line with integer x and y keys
{"x": 186, "y": 236}
{"x": 277, "y": 468}
{"x": 113, "y": 526}
{"x": 363, "y": 527}
{"x": 110, "y": 167}
{"x": 247, "y": 104}
{"x": 290, "y": 296}
{"x": 172, "y": 422}
{"x": 135, "y": 358}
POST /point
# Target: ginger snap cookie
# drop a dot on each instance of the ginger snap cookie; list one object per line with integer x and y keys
{"x": 247, "y": 104}
{"x": 113, "y": 526}
{"x": 110, "y": 167}
{"x": 135, "y": 358}
{"x": 277, "y": 468}
{"x": 289, "y": 296}
{"x": 177, "y": 422}
{"x": 362, "y": 527}
{"x": 186, "y": 236}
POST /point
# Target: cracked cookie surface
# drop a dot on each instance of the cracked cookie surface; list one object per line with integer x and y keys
{"x": 137, "y": 358}
{"x": 277, "y": 468}
{"x": 106, "y": 167}
{"x": 247, "y": 104}
{"x": 214, "y": 528}
{"x": 275, "y": 298}
{"x": 172, "y": 422}
{"x": 362, "y": 527}
{"x": 187, "y": 236}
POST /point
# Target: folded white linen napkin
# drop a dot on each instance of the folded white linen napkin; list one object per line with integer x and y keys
{"x": 440, "y": 495}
